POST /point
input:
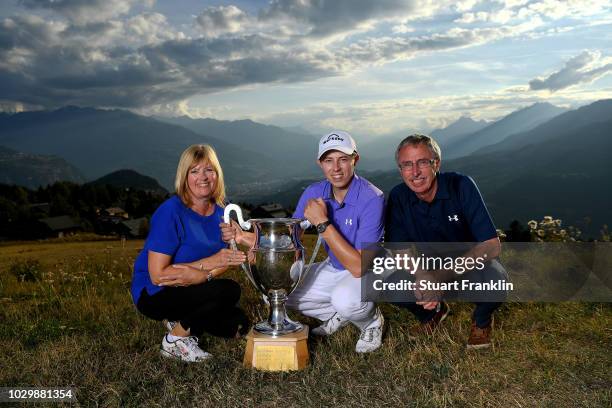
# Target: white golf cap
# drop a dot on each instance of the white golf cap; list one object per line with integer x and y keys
{"x": 337, "y": 140}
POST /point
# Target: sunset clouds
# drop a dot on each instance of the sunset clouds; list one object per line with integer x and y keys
{"x": 141, "y": 55}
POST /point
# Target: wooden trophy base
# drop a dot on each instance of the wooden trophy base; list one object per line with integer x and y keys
{"x": 283, "y": 353}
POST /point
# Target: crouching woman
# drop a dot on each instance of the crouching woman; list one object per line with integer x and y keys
{"x": 177, "y": 274}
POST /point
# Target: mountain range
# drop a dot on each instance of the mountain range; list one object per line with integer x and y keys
{"x": 460, "y": 128}
{"x": 460, "y": 138}
{"x": 98, "y": 142}
{"x": 34, "y": 170}
{"x": 280, "y": 144}
{"x": 536, "y": 161}
{"x": 559, "y": 168}
{"x": 519, "y": 121}
{"x": 571, "y": 122}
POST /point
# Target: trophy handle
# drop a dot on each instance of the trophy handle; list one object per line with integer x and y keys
{"x": 244, "y": 225}
{"x": 304, "y": 225}
{"x": 313, "y": 256}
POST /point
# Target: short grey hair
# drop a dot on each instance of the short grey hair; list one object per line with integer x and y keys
{"x": 417, "y": 139}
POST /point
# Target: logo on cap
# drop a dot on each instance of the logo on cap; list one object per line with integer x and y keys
{"x": 331, "y": 137}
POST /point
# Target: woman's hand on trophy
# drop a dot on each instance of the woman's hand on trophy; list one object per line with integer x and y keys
{"x": 316, "y": 211}
{"x": 228, "y": 231}
{"x": 232, "y": 231}
{"x": 227, "y": 257}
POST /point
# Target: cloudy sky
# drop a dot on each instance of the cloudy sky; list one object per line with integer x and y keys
{"x": 370, "y": 67}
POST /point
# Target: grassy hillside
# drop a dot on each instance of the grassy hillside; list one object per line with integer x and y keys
{"x": 73, "y": 324}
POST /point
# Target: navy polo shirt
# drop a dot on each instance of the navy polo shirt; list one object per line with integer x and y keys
{"x": 456, "y": 214}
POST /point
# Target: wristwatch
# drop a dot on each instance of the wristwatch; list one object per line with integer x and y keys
{"x": 322, "y": 226}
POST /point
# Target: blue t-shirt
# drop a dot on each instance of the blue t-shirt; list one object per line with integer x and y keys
{"x": 180, "y": 232}
{"x": 456, "y": 214}
{"x": 360, "y": 217}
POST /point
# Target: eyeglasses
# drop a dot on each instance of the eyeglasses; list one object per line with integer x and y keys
{"x": 421, "y": 164}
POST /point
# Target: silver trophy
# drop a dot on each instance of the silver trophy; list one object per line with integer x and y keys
{"x": 275, "y": 265}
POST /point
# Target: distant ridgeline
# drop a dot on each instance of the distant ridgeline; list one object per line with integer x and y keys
{"x": 539, "y": 160}
{"x": 33, "y": 170}
{"x": 130, "y": 179}
{"x": 99, "y": 141}
{"x": 559, "y": 166}
{"x": 120, "y": 203}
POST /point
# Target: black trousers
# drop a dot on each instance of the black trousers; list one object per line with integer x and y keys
{"x": 210, "y": 307}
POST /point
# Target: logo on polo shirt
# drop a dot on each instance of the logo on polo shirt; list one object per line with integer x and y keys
{"x": 454, "y": 217}
{"x": 348, "y": 221}
{"x": 333, "y": 136}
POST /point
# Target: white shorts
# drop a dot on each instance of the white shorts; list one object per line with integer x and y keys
{"x": 326, "y": 291}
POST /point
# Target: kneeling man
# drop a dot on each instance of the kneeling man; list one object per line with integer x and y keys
{"x": 348, "y": 212}
{"x": 430, "y": 206}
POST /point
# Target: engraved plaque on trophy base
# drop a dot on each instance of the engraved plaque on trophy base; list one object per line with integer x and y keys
{"x": 282, "y": 353}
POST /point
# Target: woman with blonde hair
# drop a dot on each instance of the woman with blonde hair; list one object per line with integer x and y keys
{"x": 176, "y": 275}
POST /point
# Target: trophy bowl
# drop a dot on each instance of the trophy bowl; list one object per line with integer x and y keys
{"x": 276, "y": 266}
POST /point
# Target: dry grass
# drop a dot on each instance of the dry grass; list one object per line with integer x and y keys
{"x": 75, "y": 326}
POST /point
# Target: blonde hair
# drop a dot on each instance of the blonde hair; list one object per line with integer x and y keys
{"x": 191, "y": 157}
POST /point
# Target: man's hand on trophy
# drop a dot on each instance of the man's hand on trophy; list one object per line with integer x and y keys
{"x": 316, "y": 211}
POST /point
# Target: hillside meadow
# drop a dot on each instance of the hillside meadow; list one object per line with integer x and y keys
{"x": 66, "y": 319}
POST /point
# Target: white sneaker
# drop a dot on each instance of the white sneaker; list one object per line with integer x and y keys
{"x": 185, "y": 349}
{"x": 331, "y": 326}
{"x": 371, "y": 337}
{"x": 169, "y": 324}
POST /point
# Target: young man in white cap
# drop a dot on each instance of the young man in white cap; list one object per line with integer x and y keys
{"x": 347, "y": 211}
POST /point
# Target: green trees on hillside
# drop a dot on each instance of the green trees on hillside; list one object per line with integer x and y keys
{"x": 21, "y": 208}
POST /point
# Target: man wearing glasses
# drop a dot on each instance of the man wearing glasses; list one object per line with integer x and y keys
{"x": 443, "y": 207}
